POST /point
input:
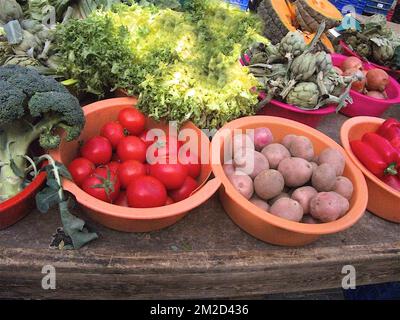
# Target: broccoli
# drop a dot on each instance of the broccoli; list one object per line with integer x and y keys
{"x": 32, "y": 107}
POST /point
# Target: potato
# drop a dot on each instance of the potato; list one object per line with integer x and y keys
{"x": 241, "y": 141}
{"x": 344, "y": 187}
{"x": 287, "y": 140}
{"x": 333, "y": 157}
{"x": 275, "y": 153}
{"x": 288, "y": 209}
{"x": 324, "y": 177}
{"x": 279, "y": 196}
{"x": 252, "y": 163}
{"x": 260, "y": 203}
{"x": 268, "y": 184}
{"x": 242, "y": 183}
{"x": 328, "y": 206}
{"x": 295, "y": 171}
{"x": 309, "y": 220}
{"x": 229, "y": 169}
{"x": 303, "y": 196}
{"x": 314, "y": 166}
{"x": 302, "y": 147}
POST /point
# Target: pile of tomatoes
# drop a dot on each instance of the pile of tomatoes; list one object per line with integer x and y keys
{"x": 113, "y": 166}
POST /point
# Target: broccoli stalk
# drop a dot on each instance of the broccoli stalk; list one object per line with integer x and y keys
{"x": 31, "y": 107}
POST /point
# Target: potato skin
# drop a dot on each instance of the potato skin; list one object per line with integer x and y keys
{"x": 279, "y": 196}
{"x": 296, "y": 171}
{"x": 324, "y": 178}
{"x": 242, "y": 183}
{"x": 314, "y": 166}
{"x": 344, "y": 187}
{"x": 287, "y": 140}
{"x": 288, "y": 209}
{"x": 333, "y": 157}
{"x": 302, "y": 147}
{"x": 303, "y": 196}
{"x": 275, "y": 153}
{"x": 229, "y": 169}
{"x": 328, "y": 206}
{"x": 268, "y": 184}
{"x": 260, "y": 203}
{"x": 251, "y": 163}
{"x": 309, "y": 220}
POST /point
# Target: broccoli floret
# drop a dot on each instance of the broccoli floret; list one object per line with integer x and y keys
{"x": 32, "y": 107}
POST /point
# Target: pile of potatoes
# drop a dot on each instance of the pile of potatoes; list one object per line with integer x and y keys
{"x": 288, "y": 179}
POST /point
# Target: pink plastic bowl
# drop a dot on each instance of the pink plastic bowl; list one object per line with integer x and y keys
{"x": 368, "y": 106}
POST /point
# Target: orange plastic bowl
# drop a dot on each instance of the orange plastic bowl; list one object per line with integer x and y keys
{"x": 131, "y": 219}
{"x": 264, "y": 225}
{"x": 383, "y": 199}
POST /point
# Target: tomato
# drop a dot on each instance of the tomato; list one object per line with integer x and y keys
{"x": 131, "y": 148}
{"x": 146, "y": 139}
{"x": 132, "y": 120}
{"x": 115, "y": 158}
{"x": 129, "y": 170}
{"x": 172, "y": 175}
{"x": 192, "y": 163}
{"x": 146, "y": 192}
{"x": 113, "y": 166}
{"x": 80, "y": 169}
{"x": 114, "y": 132}
{"x": 147, "y": 166}
{"x": 185, "y": 190}
{"x": 98, "y": 150}
{"x": 102, "y": 184}
{"x": 169, "y": 201}
{"x": 166, "y": 146}
{"x": 122, "y": 200}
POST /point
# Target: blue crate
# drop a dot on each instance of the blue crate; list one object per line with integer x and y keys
{"x": 242, "y": 4}
{"x": 357, "y": 4}
{"x": 385, "y": 5}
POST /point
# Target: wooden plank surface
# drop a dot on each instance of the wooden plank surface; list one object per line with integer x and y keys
{"x": 205, "y": 255}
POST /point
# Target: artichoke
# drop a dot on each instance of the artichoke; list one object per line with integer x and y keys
{"x": 382, "y": 54}
{"x": 22, "y": 60}
{"x": 304, "y": 95}
{"x": 363, "y": 49}
{"x": 5, "y": 51}
{"x": 304, "y": 66}
{"x": 323, "y": 61}
{"x": 10, "y": 10}
{"x": 293, "y": 43}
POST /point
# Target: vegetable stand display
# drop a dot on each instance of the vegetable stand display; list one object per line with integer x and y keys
{"x": 205, "y": 255}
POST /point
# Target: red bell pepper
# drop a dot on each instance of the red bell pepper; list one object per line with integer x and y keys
{"x": 372, "y": 159}
{"x": 390, "y": 129}
{"x": 383, "y": 147}
{"x": 396, "y": 143}
{"x": 392, "y": 181}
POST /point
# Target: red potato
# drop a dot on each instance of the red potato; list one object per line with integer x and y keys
{"x": 302, "y": 147}
{"x": 303, "y": 196}
{"x": 351, "y": 63}
{"x": 288, "y": 209}
{"x": 252, "y": 163}
{"x": 241, "y": 141}
{"x": 287, "y": 140}
{"x": 229, "y": 169}
{"x": 328, "y": 206}
{"x": 314, "y": 166}
{"x": 377, "y": 94}
{"x": 295, "y": 171}
{"x": 358, "y": 86}
{"x": 243, "y": 183}
{"x": 324, "y": 177}
{"x": 268, "y": 184}
{"x": 279, "y": 196}
{"x": 309, "y": 220}
{"x": 377, "y": 80}
{"x": 344, "y": 187}
{"x": 275, "y": 153}
{"x": 260, "y": 203}
{"x": 333, "y": 157}
{"x": 262, "y": 138}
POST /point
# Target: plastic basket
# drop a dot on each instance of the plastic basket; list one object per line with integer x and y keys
{"x": 242, "y": 4}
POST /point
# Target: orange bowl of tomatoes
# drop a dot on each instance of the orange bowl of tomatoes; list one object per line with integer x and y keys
{"x": 133, "y": 174}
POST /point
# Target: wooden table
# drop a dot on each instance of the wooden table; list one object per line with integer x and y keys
{"x": 203, "y": 256}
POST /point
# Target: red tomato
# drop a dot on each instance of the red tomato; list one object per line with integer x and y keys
{"x": 132, "y": 120}
{"x": 98, "y": 150}
{"x": 113, "y": 166}
{"x": 146, "y": 139}
{"x": 147, "y": 166}
{"x": 122, "y": 200}
{"x": 192, "y": 163}
{"x": 115, "y": 158}
{"x": 131, "y": 148}
{"x": 164, "y": 147}
{"x": 169, "y": 201}
{"x": 80, "y": 169}
{"x": 146, "y": 192}
{"x": 129, "y": 170}
{"x": 114, "y": 132}
{"x": 102, "y": 184}
{"x": 172, "y": 175}
{"x": 185, "y": 191}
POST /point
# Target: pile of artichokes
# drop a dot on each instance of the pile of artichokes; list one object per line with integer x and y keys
{"x": 299, "y": 74}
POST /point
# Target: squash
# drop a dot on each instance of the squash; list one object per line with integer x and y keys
{"x": 278, "y": 17}
{"x": 311, "y": 13}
